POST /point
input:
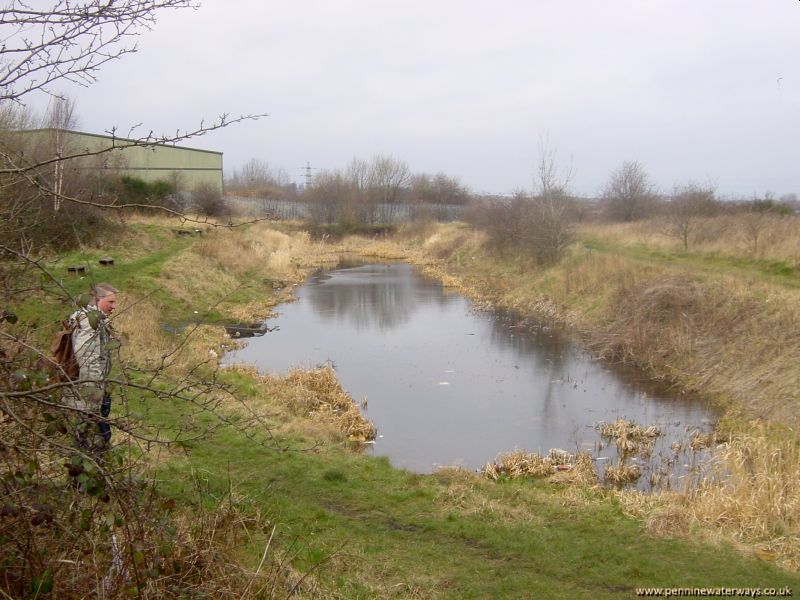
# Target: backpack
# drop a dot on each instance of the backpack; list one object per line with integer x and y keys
{"x": 64, "y": 354}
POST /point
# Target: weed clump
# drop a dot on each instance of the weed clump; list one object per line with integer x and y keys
{"x": 630, "y": 438}
{"x": 319, "y": 395}
{"x": 519, "y": 463}
{"x": 620, "y": 473}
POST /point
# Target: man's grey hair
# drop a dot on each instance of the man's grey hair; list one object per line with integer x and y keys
{"x": 101, "y": 290}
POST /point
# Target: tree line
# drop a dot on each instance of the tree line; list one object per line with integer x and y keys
{"x": 539, "y": 223}
{"x": 366, "y": 192}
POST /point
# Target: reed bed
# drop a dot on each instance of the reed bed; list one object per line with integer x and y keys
{"x": 753, "y": 492}
{"x": 749, "y": 493}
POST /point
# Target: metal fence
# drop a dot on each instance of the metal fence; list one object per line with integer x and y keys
{"x": 330, "y": 213}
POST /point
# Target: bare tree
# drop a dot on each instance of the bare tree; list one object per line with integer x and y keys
{"x": 551, "y": 216}
{"x": 259, "y": 178}
{"x": 438, "y": 189}
{"x": 60, "y": 117}
{"x": 629, "y": 194}
{"x": 759, "y": 217}
{"x": 365, "y": 192}
{"x": 689, "y": 204}
{"x": 537, "y": 225}
{"x": 355, "y": 203}
{"x": 388, "y": 178}
{"x": 551, "y": 179}
{"x": 326, "y": 197}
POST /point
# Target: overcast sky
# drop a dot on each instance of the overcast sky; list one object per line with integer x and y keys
{"x": 705, "y": 91}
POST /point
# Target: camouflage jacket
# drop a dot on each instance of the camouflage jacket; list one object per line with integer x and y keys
{"x": 93, "y": 355}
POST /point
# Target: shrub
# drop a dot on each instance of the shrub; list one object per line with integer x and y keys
{"x": 207, "y": 201}
{"x": 155, "y": 194}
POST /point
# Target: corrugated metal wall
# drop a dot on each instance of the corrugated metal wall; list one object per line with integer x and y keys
{"x": 149, "y": 163}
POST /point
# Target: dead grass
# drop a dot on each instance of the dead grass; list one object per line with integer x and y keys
{"x": 751, "y": 495}
{"x": 520, "y": 463}
{"x": 724, "y": 337}
{"x": 179, "y": 277}
{"x": 743, "y": 235}
{"x": 444, "y": 241}
{"x": 257, "y": 249}
{"x": 318, "y": 395}
{"x": 139, "y": 322}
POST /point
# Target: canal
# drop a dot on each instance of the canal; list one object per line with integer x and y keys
{"x": 448, "y": 385}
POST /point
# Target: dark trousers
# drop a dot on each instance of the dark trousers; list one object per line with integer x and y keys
{"x": 94, "y": 433}
{"x": 102, "y": 425}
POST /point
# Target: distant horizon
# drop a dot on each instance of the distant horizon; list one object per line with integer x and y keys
{"x": 228, "y": 173}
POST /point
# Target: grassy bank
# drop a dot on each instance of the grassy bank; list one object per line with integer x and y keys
{"x": 335, "y": 524}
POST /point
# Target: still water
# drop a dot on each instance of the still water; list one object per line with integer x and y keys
{"x": 449, "y": 385}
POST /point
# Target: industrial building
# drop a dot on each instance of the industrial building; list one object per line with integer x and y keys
{"x": 189, "y": 167}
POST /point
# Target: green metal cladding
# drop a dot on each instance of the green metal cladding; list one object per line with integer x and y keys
{"x": 150, "y": 163}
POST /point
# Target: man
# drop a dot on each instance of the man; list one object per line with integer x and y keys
{"x": 90, "y": 341}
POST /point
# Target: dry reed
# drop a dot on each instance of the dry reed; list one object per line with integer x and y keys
{"x": 520, "y": 463}
{"x": 319, "y": 395}
{"x": 630, "y": 439}
{"x": 750, "y": 494}
{"x": 256, "y": 249}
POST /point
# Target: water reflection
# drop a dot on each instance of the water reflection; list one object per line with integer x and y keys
{"x": 448, "y": 385}
{"x": 374, "y": 297}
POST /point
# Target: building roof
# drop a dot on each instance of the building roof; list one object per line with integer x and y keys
{"x": 132, "y": 142}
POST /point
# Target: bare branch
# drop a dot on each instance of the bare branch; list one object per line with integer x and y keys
{"x": 70, "y": 41}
